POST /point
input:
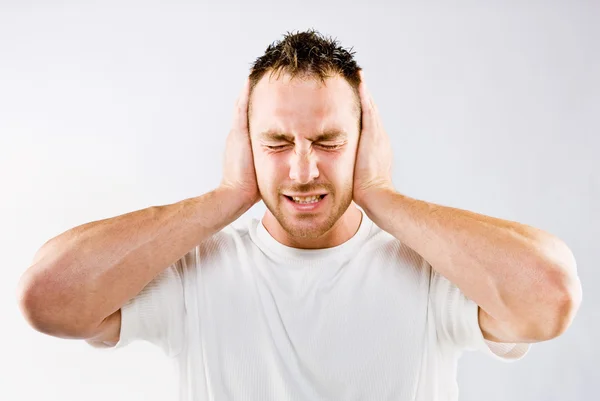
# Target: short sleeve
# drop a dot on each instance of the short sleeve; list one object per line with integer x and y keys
{"x": 157, "y": 313}
{"x": 457, "y": 322}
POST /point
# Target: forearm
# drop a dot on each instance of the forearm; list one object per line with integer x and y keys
{"x": 511, "y": 270}
{"x": 90, "y": 271}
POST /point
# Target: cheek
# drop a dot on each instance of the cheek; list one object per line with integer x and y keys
{"x": 269, "y": 169}
{"x": 340, "y": 165}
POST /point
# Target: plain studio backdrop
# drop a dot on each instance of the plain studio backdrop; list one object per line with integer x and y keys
{"x": 107, "y": 108}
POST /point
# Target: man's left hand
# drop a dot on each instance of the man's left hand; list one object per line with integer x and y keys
{"x": 373, "y": 166}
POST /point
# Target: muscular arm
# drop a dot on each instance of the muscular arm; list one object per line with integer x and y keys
{"x": 523, "y": 279}
{"x": 80, "y": 279}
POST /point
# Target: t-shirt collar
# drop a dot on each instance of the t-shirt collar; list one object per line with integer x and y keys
{"x": 277, "y": 250}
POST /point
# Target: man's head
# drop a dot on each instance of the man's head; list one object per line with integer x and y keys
{"x": 305, "y": 119}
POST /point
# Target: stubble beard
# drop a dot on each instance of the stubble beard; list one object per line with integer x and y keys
{"x": 307, "y": 225}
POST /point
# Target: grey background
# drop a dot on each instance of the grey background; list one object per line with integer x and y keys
{"x": 111, "y": 107}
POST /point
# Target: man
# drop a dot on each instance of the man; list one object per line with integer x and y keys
{"x": 345, "y": 290}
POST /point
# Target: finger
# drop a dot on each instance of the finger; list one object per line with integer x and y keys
{"x": 241, "y": 106}
{"x": 243, "y": 94}
{"x": 365, "y": 101}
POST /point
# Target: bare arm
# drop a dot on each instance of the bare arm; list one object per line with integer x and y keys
{"x": 523, "y": 279}
{"x": 80, "y": 279}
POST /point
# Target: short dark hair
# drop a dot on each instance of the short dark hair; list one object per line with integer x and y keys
{"x": 307, "y": 54}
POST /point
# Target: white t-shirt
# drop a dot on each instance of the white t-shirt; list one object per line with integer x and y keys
{"x": 246, "y": 318}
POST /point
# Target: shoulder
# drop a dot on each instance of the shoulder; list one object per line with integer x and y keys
{"x": 228, "y": 240}
{"x": 382, "y": 243}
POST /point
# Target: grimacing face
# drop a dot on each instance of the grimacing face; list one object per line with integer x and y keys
{"x": 304, "y": 138}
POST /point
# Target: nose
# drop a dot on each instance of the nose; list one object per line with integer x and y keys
{"x": 303, "y": 167}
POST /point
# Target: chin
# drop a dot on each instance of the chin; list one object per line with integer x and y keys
{"x": 308, "y": 225}
{"x": 306, "y": 229}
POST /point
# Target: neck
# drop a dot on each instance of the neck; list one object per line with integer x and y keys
{"x": 343, "y": 229}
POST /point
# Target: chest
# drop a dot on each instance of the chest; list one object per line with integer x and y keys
{"x": 347, "y": 332}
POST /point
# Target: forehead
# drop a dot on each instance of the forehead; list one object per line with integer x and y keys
{"x": 303, "y": 106}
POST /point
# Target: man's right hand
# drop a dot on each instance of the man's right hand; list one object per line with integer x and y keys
{"x": 238, "y": 164}
{"x": 80, "y": 279}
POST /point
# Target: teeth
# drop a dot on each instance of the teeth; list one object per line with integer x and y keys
{"x": 307, "y": 199}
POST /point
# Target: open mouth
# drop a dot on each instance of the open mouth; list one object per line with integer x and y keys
{"x": 305, "y": 200}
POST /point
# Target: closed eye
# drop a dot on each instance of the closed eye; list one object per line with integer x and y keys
{"x": 280, "y": 147}
{"x": 276, "y": 147}
{"x": 330, "y": 147}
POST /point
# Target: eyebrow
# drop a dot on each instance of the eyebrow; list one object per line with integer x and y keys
{"x": 325, "y": 135}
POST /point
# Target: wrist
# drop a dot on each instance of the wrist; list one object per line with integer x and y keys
{"x": 377, "y": 204}
{"x": 368, "y": 198}
{"x": 237, "y": 198}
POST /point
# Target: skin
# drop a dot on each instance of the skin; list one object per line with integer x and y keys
{"x": 288, "y": 115}
{"x": 523, "y": 279}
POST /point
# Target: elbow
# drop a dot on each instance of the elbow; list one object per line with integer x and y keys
{"x": 44, "y": 309}
{"x": 554, "y": 304}
{"x": 563, "y": 289}
{"x": 559, "y": 313}
{"x": 31, "y": 306}
{"x": 566, "y": 308}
